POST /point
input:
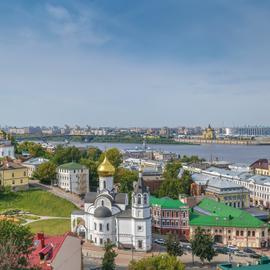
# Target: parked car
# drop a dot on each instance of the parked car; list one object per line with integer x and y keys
{"x": 233, "y": 248}
{"x": 240, "y": 254}
{"x": 222, "y": 250}
{"x": 186, "y": 246}
{"x": 249, "y": 250}
{"x": 254, "y": 255}
{"x": 160, "y": 241}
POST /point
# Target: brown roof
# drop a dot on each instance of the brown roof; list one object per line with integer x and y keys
{"x": 261, "y": 164}
{"x": 7, "y": 165}
{"x": 193, "y": 201}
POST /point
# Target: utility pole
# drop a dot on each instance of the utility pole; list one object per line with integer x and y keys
{"x": 131, "y": 247}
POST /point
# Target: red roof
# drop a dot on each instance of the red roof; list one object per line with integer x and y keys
{"x": 50, "y": 250}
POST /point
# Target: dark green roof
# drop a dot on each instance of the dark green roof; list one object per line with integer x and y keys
{"x": 223, "y": 216}
{"x": 71, "y": 166}
{"x": 166, "y": 203}
{"x": 264, "y": 264}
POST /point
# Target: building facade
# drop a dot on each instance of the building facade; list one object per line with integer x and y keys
{"x": 170, "y": 215}
{"x": 73, "y": 177}
{"x": 228, "y": 225}
{"x": 209, "y": 133}
{"x": 6, "y": 149}
{"x": 261, "y": 167}
{"x": 107, "y": 216}
{"x": 258, "y": 185}
{"x": 229, "y": 193}
{"x": 13, "y": 175}
{"x": 32, "y": 164}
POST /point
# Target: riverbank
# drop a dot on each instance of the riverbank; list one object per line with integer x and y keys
{"x": 104, "y": 139}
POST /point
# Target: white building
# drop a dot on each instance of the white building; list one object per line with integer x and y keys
{"x": 6, "y": 149}
{"x": 33, "y": 163}
{"x": 107, "y": 216}
{"x": 73, "y": 177}
{"x": 258, "y": 185}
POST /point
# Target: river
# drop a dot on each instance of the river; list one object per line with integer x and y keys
{"x": 233, "y": 153}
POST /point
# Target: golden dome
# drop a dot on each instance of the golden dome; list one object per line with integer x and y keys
{"x": 106, "y": 168}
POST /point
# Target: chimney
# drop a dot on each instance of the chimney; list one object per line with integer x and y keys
{"x": 41, "y": 238}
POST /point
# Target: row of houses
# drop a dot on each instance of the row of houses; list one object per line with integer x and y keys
{"x": 258, "y": 186}
{"x": 226, "y": 224}
{"x": 71, "y": 177}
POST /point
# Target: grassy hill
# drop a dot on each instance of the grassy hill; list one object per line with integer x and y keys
{"x": 51, "y": 226}
{"x": 37, "y": 202}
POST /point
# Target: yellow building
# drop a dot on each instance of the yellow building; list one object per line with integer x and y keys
{"x": 209, "y": 133}
{"x": 261, "y": 167}
{"x": 2, "y": 135}
{"x": 227, "y": 192}
{"x": 13, "y": 175}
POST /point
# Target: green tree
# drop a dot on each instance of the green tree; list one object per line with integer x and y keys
{"x": 185, "y": 183}
{"x": 191, "y": 159}
{"x": 45, "y": 172}
{"x": 126, "y": 178}
{"x": 173, "y": 245}
{"x": 202, "y": 245}
{"x": 113, "y": 155}
{"x": 160, "y": 262}
{"x": 67, "y": 154}
{"x": 94, "y": 153}
{"x": 172, "y": 169}
{"x": 93, "y": 175}
{"x": 16, "y": 243}
{"x": 170, "y": 188}
{"x": 34, "y": 149}
{"x": 108, "y": 261}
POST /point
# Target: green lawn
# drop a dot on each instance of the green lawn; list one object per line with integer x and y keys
{"x": 37, "y": 202}
{"x": 51, "y": 227}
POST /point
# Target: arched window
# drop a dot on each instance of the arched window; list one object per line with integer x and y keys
{"x": 108, "y": 226}
{"x": 139, "y": 199}
{"x": 104, "y": 184}
{"x": 102, "y": 203}
{"x": 145, "y": 198}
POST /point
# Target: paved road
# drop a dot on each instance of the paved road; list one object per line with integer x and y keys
{"x": 93, "y": 256}
{"x": 59, "y": 192}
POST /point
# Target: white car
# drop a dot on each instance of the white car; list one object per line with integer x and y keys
{"x": 233, "y": 248}
{"x": 160, "y": 241}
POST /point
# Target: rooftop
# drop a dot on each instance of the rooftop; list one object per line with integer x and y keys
{"x": 212, "y": 213}
{"x": 11, "y": 166}
{"x": 263, "y": 264}
{"x": 35, "y": 161}
{"x": 166, "y": 202}
{"x": 71, "y": 166}
{"x": 219, "y": 183}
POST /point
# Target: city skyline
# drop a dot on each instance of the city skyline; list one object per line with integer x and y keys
{"x": 134, "y": 63}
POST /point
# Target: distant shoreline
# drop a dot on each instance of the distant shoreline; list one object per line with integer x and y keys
{"x": 103, "y": 139}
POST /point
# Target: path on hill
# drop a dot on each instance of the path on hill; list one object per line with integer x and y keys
{"x": 28, "y": 221}
{"x": 75, "y": 199}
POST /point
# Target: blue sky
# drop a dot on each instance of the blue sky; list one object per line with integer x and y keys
{"x": 135, "y": 63}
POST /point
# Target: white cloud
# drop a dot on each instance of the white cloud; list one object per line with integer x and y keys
{"x": 78, "y": 27}
{"x": 58, "y": 12}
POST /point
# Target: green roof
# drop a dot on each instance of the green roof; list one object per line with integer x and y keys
{"x": 219, "y": 214}
{"x": 166, "y": 202}
{"x": 71, "y": 166}
{"x": 264, "y": 264}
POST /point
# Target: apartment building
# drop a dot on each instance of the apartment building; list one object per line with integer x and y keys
{"x": 13, "y": 175}
{"x": 258, "y": 185}
{"x": 170, "y": 215}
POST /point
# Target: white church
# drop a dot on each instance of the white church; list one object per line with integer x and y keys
{"x": 107, "y": 216}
